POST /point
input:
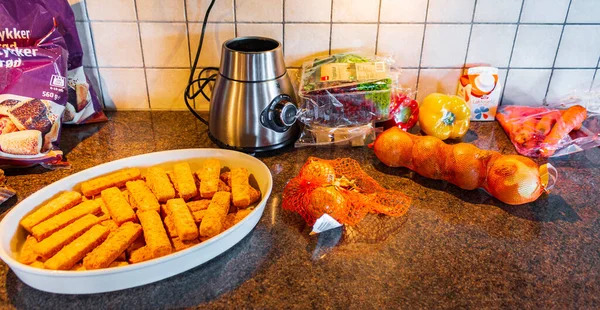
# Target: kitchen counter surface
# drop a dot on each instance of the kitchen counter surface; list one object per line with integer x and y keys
{"x": 454, "y": 248}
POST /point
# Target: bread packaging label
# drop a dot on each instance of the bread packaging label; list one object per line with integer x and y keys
{"x": 481, "y": 90}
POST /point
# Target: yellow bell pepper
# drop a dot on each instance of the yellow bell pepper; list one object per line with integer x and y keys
{"x": 444, "y": 116}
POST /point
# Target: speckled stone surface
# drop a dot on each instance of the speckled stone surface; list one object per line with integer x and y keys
{"x": 454, "y": 249}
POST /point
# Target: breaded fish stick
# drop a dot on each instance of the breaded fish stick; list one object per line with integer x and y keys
{"x": 179, "y": 245}
{"x": 27, "y": 255}
{"x": 182, "y": 219}
{"x": 254, "y": 195}
{"x": 241, "y": 214}
{"x": 109, "y": 250}
{"x": 57, "y": 222}
{"x": 64, "y": 201}
{"x": 51, "y": 245}
{"x": 38, "y": 264}
{"x": 104, "y": 213}
{"x": 142, "y": 197}
{"x": 184, "y": 181}
{"x": 226, "y": 178}
{"x": 154, "y": 233}
{"x": 118, "y": 208}
{"x": 159, "y": 183}
{"x": 223, "y": 187}
{"x": 240, "y": 187}
{"x": 118, "y": 264}
{"x": 212, "y": 223}
{"x": 110, "y": 224}
{"x": 141, "y": 255}
{"x": 198, "y": 215}
{"x": 198, "y": 205}
{"x": 73, "y": 252}
{"x": 118, "y": 179}
{"x": 209, "y": 177}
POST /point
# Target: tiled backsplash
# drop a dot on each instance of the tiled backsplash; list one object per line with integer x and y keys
{"x": 141, "y": 50}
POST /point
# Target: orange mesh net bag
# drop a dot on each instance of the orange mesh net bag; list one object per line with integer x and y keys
{"x": 341, "y": 189}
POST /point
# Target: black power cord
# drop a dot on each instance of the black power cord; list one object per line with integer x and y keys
{"x": 200, "y": 82}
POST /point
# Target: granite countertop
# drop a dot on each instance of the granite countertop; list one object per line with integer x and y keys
{"x": 454, "y": 248}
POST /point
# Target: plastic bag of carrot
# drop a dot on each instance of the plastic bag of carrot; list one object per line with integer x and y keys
{"x": 546, "y": 132}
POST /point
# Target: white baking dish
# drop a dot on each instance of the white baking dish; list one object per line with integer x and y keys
{"x": 12, "y": 235}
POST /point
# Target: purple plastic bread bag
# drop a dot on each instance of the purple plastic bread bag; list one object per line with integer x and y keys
{"x": 33, "y": 85}
{"x": 83, "y": 105}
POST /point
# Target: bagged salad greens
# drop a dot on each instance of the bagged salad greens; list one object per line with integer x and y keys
{"x": 341, "y": 95}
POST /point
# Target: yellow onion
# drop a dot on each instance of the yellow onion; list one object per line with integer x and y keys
{"x": 514, "y": 180}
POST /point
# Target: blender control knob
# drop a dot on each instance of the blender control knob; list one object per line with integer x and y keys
{"x": 285, "y": 113}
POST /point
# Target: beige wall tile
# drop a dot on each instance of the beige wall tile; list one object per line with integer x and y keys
{"x": 166, "y": 88}
{"x": 506, "y": 11}
{"x": 124, "y": 89}
{"x": 450, "y": 10}
{"x": 222, "y": 11}
{"x": 273, "y": 31}
{"x": 305, "y": 40}
{"x": 353, "y": 37}
{"x": 526, "y": 86}
{"x": 259, "y": 10}
{"x": 165, "y": 44}
{"x": 584, "y": 11}
{"x": 355, "y": 10}
{"x": 214, "y": 37}
{"x": 402, "y": 42}
{"x": 115, "y": 10}
{"x": 445, "y": 45}
{"x": 491, "y": 44}
{"x": 117, "y": 44}
{"x": 437, "y": 81}
{"x": 403, "y": 11}
{"x": 307, "y": 10}
{"x": 161, "y": 10}
{"x": 565, "y": 81}
{"x": 407, "y": 78}
{"x": 535, "y": 46}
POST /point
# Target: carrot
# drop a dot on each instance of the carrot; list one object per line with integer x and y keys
{"x": 544, "y": 126}
{"x": 571, "y": 119}
{"x": 525, "y": 130}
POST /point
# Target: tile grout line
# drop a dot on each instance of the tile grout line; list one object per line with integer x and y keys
{"x": 283, "y": 29}
{"x": 187, "y": 30}
{"x": 512, "y": 51}
{"x": 595, "y": 74}
{"x": 422, "y": 45}
{"x": 378, "y": 25}
{"x": 100, "y": 90}
{"x": 142, "y": 53}
{"x": 406, "y": 67}
{"x": 343, "y": 23}
{"x": 235, "y": 22}
{"x": 562, "y": 31}
{"x": 330, "y": 26}
{"x": 470, "y": 34}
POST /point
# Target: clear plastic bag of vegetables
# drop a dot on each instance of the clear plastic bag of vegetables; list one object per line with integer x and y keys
{"x": 342, "y": 95}
{"x": 570, "y": 125}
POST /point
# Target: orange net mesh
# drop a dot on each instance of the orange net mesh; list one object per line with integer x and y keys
{"x": 341, "y": 189}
